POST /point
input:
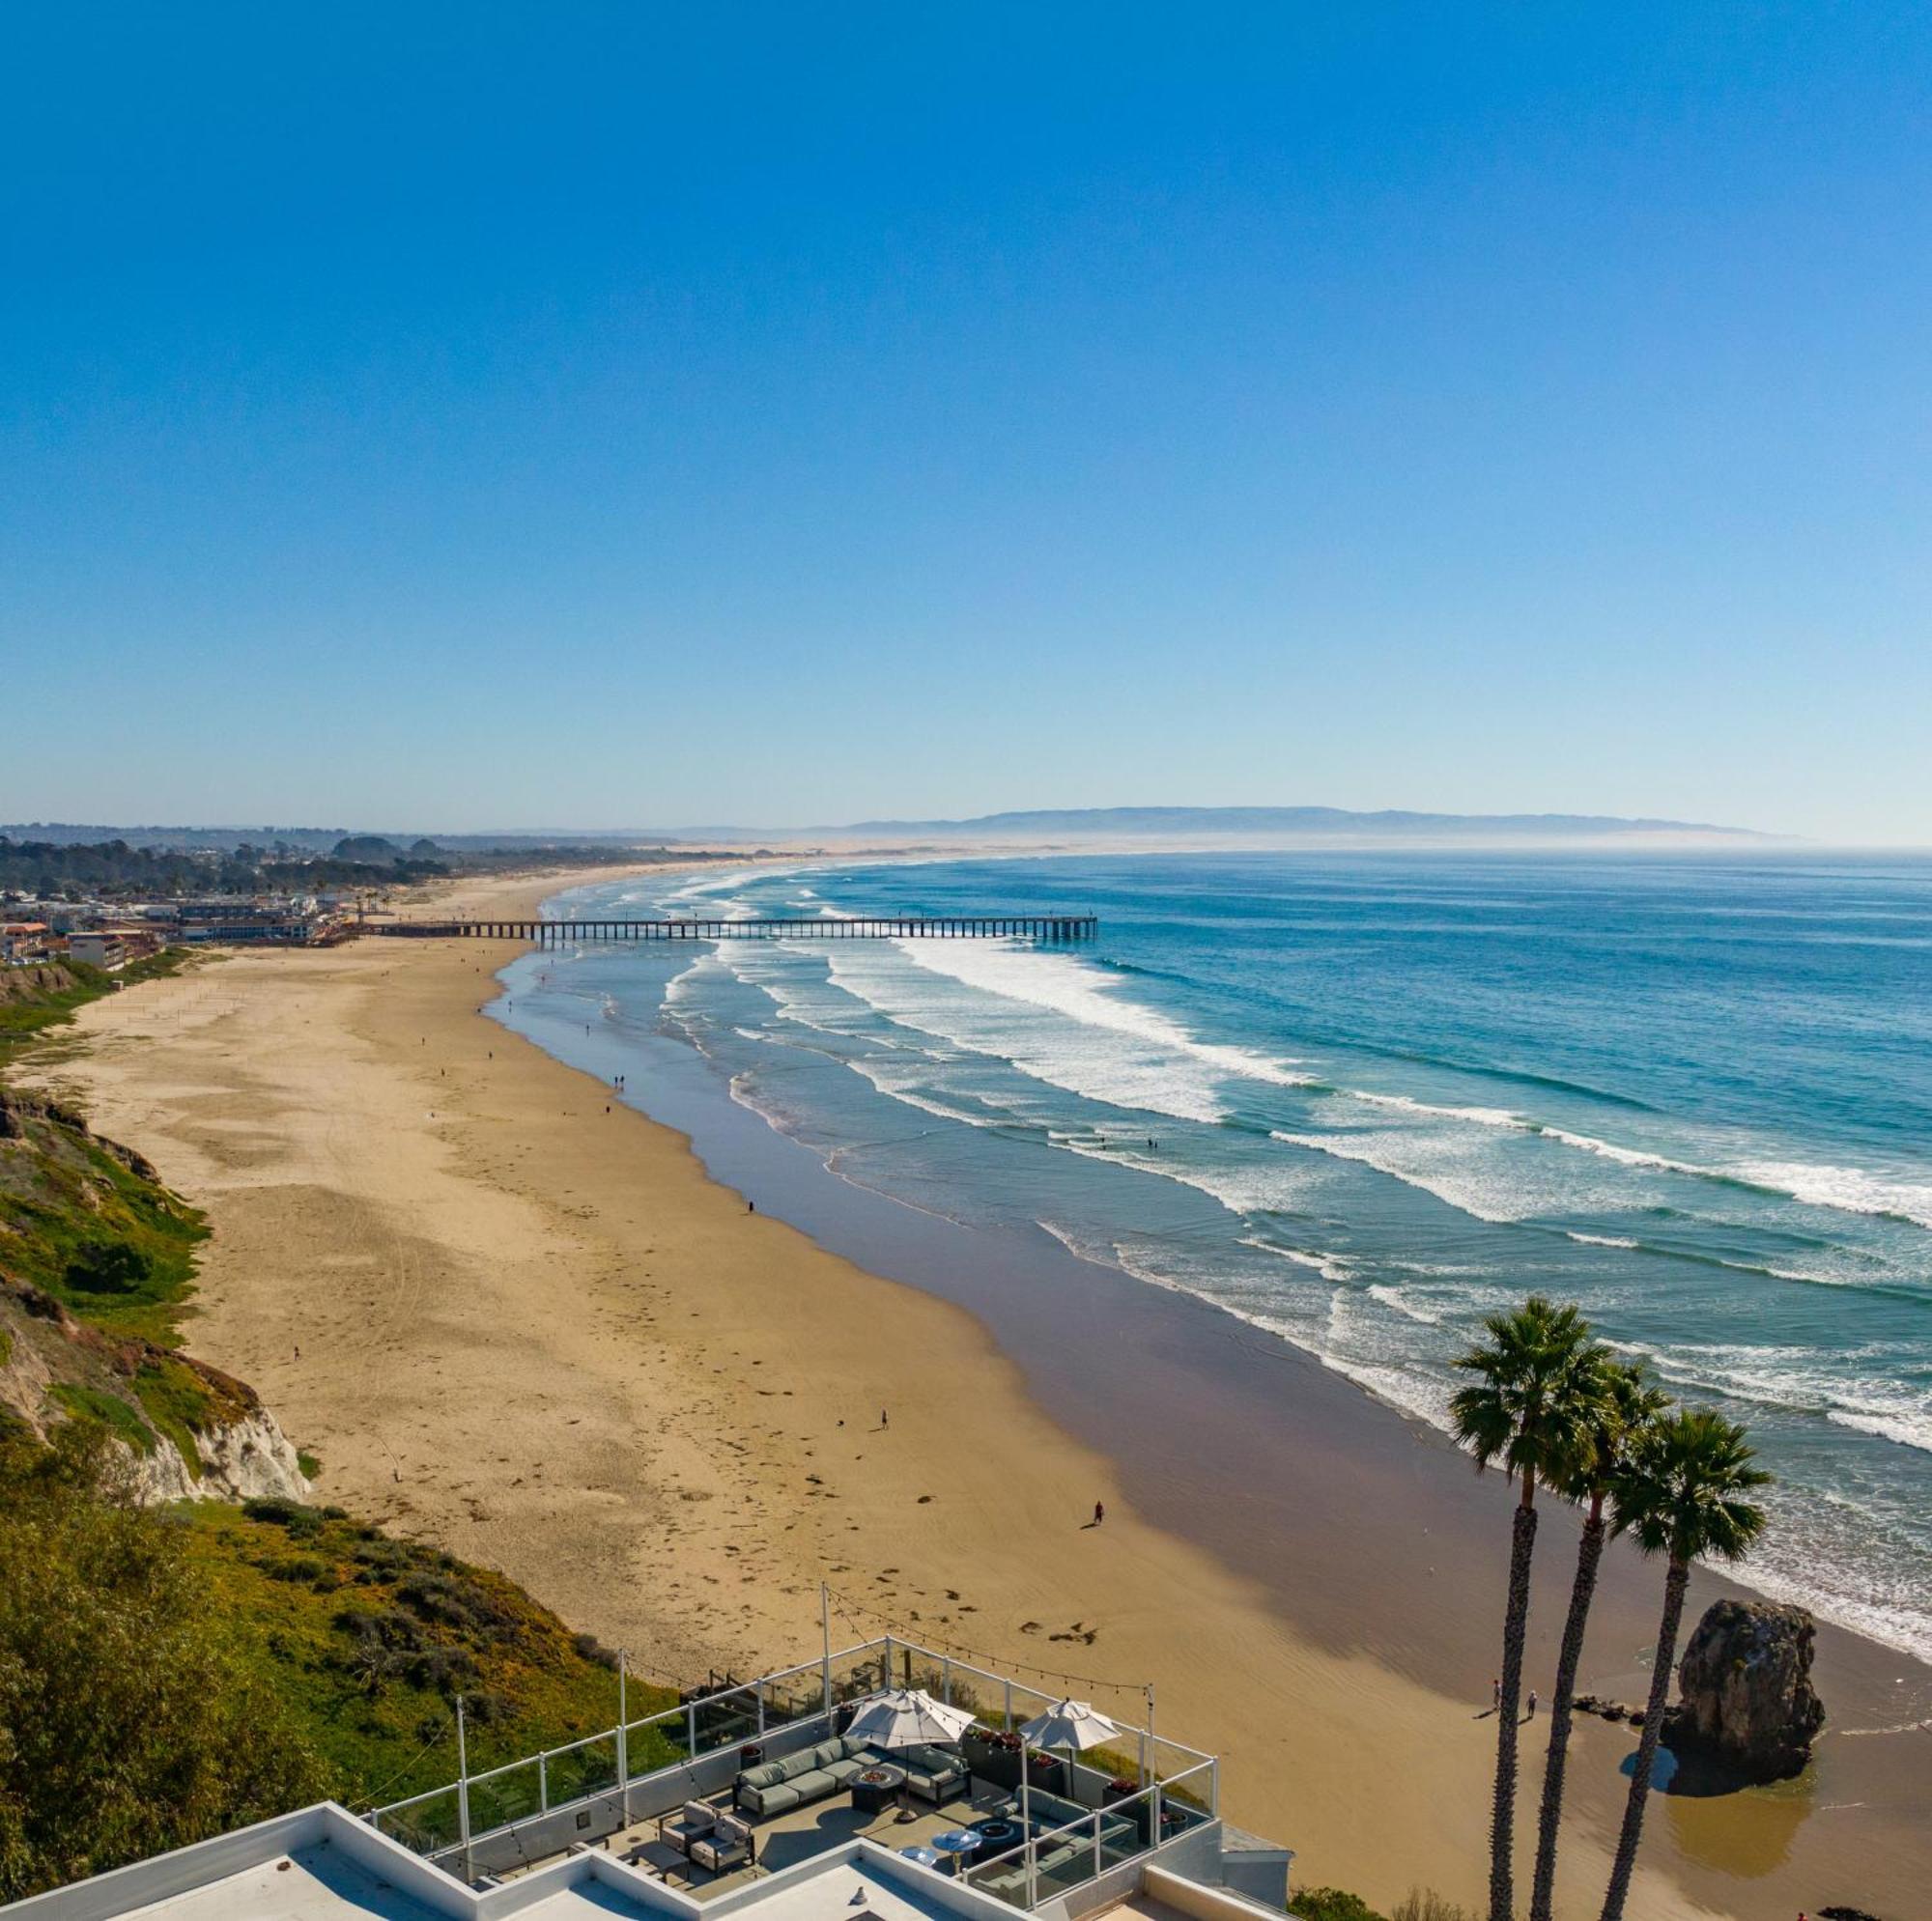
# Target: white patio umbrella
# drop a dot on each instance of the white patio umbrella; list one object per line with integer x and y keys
{"x": 1070, "y": 1724}
{"x": 907, "y": 1717}
{"x": 1067, "y": 1724}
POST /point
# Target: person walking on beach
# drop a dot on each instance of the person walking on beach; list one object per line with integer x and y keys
{"x": 1100, "y": 1512}
{"x": 1496, "y": 1696}
{"x": 884, "y": 1419}
{"x": 1531, "y": 1715}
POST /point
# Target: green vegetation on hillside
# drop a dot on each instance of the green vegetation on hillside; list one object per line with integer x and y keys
{"x": 366, "y": 1641}
{"x": 127, "y": 1725}
{"x": 88, "y": 1222}
{"x": 169, "y": 1674}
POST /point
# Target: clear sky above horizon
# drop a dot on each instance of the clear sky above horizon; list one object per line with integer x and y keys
{"x": 607, "y": 416}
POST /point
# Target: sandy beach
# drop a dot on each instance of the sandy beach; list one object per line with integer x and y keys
{"x": 515, "y": 1317}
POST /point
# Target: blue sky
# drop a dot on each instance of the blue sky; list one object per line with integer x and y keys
{"x": 607, "y": 416}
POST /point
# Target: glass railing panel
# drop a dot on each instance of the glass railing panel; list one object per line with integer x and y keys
{"x": 426, "y": 1826}
{"x": 1062, "y": 1861}
{"x": 589, "y": 1767}
{"x": 496, "y": 1801}
{"x": 1005, "y": 1878}
{"x": 727, "y": 1720}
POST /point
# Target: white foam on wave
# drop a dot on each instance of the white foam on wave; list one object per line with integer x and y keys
{"x": 1398, "y": 1301}
{"x": 1332, "y": 1267}
{"x": 1908, "y": 1430}
{"x": 1842, "y": 1190}
{"x": 1037, "y": 1014}
{"x": 1791, "y": 1380}
{"x": 1602, "y": 1240}
{"x": 1434, "y": 1164}
{"x": 1847, "y": 1189}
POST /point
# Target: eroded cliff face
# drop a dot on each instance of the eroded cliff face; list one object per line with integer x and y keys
{"x": 155, "y": 1401}
{"x": 250, "y": 1459}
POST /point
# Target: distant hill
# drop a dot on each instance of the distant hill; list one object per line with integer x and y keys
{"x": 1287, "y": 824}
{"x": 1194, "y": 824}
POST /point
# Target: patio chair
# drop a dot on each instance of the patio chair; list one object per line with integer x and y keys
{"x": 729, "y": 1844}
{"x": 694, "y": 1822}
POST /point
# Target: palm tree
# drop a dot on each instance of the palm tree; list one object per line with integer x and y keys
{"x": 1622, "y": 1407}
{"x": 1681, "y": 1494}
{"x": 1526, "y": 1411}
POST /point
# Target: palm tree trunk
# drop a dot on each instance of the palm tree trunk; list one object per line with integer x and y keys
{"x": 1589, "y": 1553}
{"x": 1675, "y": 1582}
{"x": 1516, "y": 1630}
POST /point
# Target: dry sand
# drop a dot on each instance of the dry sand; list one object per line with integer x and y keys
{"x": 531, "y": 1330}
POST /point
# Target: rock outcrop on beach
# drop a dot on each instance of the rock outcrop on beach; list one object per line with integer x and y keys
{"x": 1747, "y": 1703}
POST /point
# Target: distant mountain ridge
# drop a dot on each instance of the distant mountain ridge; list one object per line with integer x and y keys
{"x": 1298, "y": 821}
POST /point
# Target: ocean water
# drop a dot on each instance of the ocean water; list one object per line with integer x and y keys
{"x": 1361, "y": 1101}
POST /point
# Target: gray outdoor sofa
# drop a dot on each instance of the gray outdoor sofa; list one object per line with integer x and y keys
{"x": 934, "y": 1774}
{"x": 1119, "y": 1837}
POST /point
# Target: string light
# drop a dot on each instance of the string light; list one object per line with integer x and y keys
{"x": 852, "y": 1607}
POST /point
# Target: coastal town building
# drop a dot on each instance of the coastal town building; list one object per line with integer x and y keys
{"x": 776, "y": 1799}
{"x": 25, "y": 942}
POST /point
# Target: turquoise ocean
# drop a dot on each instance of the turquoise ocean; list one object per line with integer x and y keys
{"x": 1362, "y": 1101}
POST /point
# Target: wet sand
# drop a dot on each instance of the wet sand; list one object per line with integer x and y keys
{"x": 536, "y": 1332}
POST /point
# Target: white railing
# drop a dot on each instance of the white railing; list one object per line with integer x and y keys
{"x": 494, "y": 1802}
{"x": 1156, "y": 1815}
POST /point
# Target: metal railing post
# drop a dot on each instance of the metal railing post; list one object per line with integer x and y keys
{"x": 1096, "y": 1846}
{"x": 946, "y": 1682}
{"x": 691, "y": 1730}
{"x": 463, "y": 1793}
{"x": 623, "y": 1738}
{"x": 825, "y": 1629}
{"x": 543, "y": 1784}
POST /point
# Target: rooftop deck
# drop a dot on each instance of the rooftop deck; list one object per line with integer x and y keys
{"x": 577, "y": 1835}
{"x": 1138, "y": 1795}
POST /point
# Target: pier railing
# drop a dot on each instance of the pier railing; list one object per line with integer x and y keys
{"x": 1054, "y": 927}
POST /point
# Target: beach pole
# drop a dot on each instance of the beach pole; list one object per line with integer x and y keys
{"x": 463, "y": 1793}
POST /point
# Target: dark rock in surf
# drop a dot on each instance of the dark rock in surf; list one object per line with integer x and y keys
{"x": 1748, "y": 1706}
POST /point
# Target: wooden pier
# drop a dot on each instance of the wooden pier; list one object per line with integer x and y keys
{"x": 1052, "y": 927}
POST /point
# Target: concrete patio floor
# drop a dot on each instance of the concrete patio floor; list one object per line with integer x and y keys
{"x": 799, "y": 1834}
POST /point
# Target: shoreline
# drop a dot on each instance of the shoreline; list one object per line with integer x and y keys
{"x": 549, "y": 1338}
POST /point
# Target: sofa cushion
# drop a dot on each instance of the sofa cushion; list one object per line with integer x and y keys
{"x": 843, "y": 1770}
{"x": 827, "y": 1752}
{"x": 697, "y": 1817}
{"x": 795, "y": 1764}
{"x": 812, "y": 1785}
{"x": 855, "y": 1744}
{"x": 767, "y": 1774}
{"x": 775, "y": 1800}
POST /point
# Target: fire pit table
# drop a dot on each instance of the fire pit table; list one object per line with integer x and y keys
{"x": 998, "y": 1833}
{"x": 876, "y": 1789}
